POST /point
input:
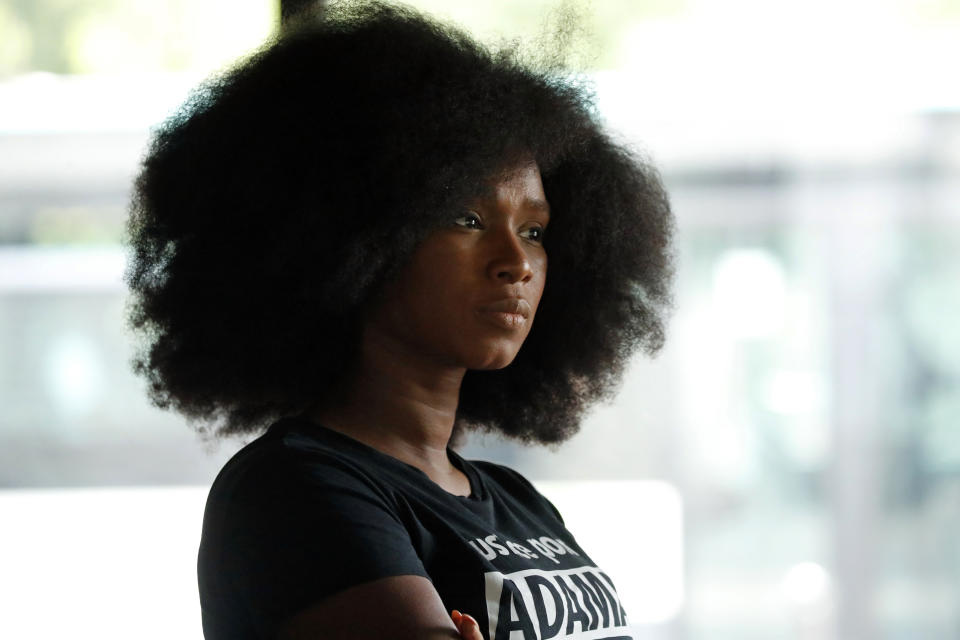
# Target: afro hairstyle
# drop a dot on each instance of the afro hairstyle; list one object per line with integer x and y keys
{"x": 272, "y": 207}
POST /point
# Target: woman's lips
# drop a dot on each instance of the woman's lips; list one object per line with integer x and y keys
{"x": 505, "y": 320}
{"x": 517, "y": 306}
{"x": 508, "y": 313}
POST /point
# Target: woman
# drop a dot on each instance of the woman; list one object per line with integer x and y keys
{"x": 340, "y": 247}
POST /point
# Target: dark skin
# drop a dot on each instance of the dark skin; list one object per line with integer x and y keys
{"x": 430, "y": 327}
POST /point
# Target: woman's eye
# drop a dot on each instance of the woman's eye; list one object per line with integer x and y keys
{"x": 535, "y": 234}
{"x": 469, "y": 220}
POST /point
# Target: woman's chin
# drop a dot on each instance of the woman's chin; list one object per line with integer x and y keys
{"x": 494, "y": 362}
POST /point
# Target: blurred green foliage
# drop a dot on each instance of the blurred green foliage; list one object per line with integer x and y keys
{"x": 603, "y": 24}
{"x": 937, "y": 10}
{"x": 86, "y": 36}
{"x": 75, "y": 225}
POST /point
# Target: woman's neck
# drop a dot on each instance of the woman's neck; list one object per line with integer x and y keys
{"x": 401, "y": 403}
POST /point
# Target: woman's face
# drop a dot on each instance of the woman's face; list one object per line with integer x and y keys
{"x": 469, "y": 295}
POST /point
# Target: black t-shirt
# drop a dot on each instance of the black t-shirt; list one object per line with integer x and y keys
{"x": 303, "y": 512}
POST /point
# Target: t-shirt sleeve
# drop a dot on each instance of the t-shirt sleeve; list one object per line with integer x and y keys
{"x": 299, "y": 531}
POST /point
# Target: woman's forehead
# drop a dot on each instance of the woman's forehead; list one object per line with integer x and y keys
{"x": 515, "y": 173}
{"x": 521, "y": 186}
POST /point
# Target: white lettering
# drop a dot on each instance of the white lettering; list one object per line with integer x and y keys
{"x": 492, "y": 541}
{"x": 486, "y": 551}
{"x": 577, "y": 603}
{"x": 542, "y": 548}
{"x": 520, "y": 550}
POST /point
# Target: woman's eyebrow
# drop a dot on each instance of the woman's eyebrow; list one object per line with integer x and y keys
{"x": 537, "y": 204}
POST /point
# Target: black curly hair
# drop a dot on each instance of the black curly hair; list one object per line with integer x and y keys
{"x": 281, "y": 198}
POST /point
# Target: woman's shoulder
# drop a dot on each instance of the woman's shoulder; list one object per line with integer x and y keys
{"x": 290, "y": 456}
{"x": 510, "y": 482}
{"x": 507, "y": 477}
{"x": 501, "y": 473}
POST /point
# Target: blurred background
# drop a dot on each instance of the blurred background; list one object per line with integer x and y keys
{"x": 788, "y": 467}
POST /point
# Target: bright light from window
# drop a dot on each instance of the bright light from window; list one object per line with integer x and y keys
{"x": 749, "y": 293}
{"x": 75, "y": 374}
{"x": 633, "y": 530}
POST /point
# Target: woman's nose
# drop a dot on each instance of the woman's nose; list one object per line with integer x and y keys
{"x": 509, "y": 261}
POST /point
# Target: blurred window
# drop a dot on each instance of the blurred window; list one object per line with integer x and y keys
{"x": 788, "y": 467}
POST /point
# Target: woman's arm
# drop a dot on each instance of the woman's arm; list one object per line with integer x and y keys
{"x": 395, "y": 608}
